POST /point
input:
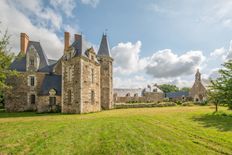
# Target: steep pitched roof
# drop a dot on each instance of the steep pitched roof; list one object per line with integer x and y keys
{"x": 80, "y": 46}
{"x": 51, "y": 82}
{"x": 104, "y": 47}
{"x": 19, "y": 63}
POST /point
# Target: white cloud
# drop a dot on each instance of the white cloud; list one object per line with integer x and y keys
{"x": 67, "y": 6}
{"x": 16, "y": 22}
{"x": 218, "y": 52}
{"x": 39, "y": 13}
{"x": 126, "y": 57}
{"x": 223, "y": 53}
{"x": 218, "y": 12}
{"x": 165, "y": 63}
{"x": 93, "y": 3}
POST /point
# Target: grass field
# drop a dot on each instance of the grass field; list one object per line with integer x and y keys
{"x": 169, "y": 130}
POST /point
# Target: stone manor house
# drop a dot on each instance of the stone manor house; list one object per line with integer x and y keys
{"x": 79, "y": 82}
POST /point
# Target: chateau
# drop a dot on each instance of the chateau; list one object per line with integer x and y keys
{"x": 79, "y": 82}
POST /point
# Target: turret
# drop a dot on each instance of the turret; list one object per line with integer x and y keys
{"x": 104, "y": 57}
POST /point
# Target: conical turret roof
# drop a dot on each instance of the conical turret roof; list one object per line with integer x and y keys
{"x": 104, "y": 49}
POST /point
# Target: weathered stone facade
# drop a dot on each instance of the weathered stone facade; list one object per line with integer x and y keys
{"x": 198, "y": 92}
{"x": 77, "y": 83}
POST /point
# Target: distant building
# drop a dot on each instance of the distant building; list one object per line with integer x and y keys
{"x": 151, "y": 93}
{"x": 177, "y": 96}
{"x": 198, "y": 92}
{"x": 80, "y": 81}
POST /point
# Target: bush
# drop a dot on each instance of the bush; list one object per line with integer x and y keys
{"x": 178, "y": 102}
{"x": 166, "y": 99}
{"x": 187, "y": 104}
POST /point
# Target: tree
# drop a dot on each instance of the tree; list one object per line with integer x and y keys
{"x": 185, "y": 89}
{"x": 166, "y": 88}
{"x": 220, "y": 90}
{"x": 5, "y": 60}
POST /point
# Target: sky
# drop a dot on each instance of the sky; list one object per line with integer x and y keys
{"x": 151, "y": 41}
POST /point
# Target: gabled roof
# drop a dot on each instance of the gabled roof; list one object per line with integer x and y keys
{"x": 51, "y": 81}
{"x": 104, "y": 47}
{"x": 45, "y": 65}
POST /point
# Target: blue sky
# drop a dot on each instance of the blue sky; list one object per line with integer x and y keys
{"x": 152, "y": 41}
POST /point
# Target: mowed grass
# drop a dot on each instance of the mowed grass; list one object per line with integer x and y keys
{"x": 169, "y": 130}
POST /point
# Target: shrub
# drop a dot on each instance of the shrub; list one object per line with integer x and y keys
{"x": 166, "y": 99}
{"x": 187, "y": 104}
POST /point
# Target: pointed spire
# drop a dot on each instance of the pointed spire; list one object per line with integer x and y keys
{"x": 198, "y": 75}
{"x": 104, "y": 47}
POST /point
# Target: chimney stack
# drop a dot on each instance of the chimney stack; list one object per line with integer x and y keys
{"x": 77, "y": 37}
{"x": 66, "y": 40}
{"x": 24, "y": 40}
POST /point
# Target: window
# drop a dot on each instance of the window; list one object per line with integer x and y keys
{"x": 32, "y": 81}
{"x": 32, "y": 62}
{"x": 69, "y": 96}
{"x": 92, "y": 75}
{"x": 52, "y": 100}
{"x": 155, "y": 90}
{"x": 92, "y": 96}
{"x": 32, "y": 99}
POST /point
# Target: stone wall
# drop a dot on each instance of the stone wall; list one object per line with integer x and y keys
{"x": 106, "y": 82}
{"x": 90, "y": 84}
{"x": 44, "y": 104}
{"x": 71, "y": 84}
{"x": 77, "y": 79}
{"x": 18, "y": 97}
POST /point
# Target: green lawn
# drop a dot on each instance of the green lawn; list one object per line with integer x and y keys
{"x": 169, "y": 130}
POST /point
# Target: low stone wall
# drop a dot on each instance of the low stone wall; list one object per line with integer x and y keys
{"x": 143, "y": 105}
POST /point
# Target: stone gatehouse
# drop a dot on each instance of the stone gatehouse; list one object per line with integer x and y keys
{"x": 81, "y": 81}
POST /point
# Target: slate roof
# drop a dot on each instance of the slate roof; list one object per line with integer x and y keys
{"x": 45, "y": 65}
{"x": 80, "y": 46}
{"x": 51, "y": 81}
{"x": 176, "y": 94}
{"x": 124, "y": 92}
{"x": 104, "y": 49}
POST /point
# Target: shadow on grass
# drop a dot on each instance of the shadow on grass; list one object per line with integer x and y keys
{"x": 219, "y": 120}
{"x": 4, "y": 114}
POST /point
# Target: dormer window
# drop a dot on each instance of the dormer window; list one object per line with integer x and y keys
{"x": 32, "y": 62}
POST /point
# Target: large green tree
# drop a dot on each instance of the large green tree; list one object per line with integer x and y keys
{"x": 167, "y": 88}
{"x": 6, "y": 58}
{"x": 185, "y": 89}
{"x": 220, "y": 90}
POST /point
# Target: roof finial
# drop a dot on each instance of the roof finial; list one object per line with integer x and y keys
{"x": 106, "y": 30}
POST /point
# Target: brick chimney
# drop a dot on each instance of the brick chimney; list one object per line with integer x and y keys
{"x": 66, "y": 40}
{"x": 24, "y": 40}
{"x": 77, "y": 37}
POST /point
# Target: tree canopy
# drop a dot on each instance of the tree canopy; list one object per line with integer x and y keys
{"x": 220, "y": 90}
{"x": 5, "y": 60}
{"x": 166, "y": 88}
